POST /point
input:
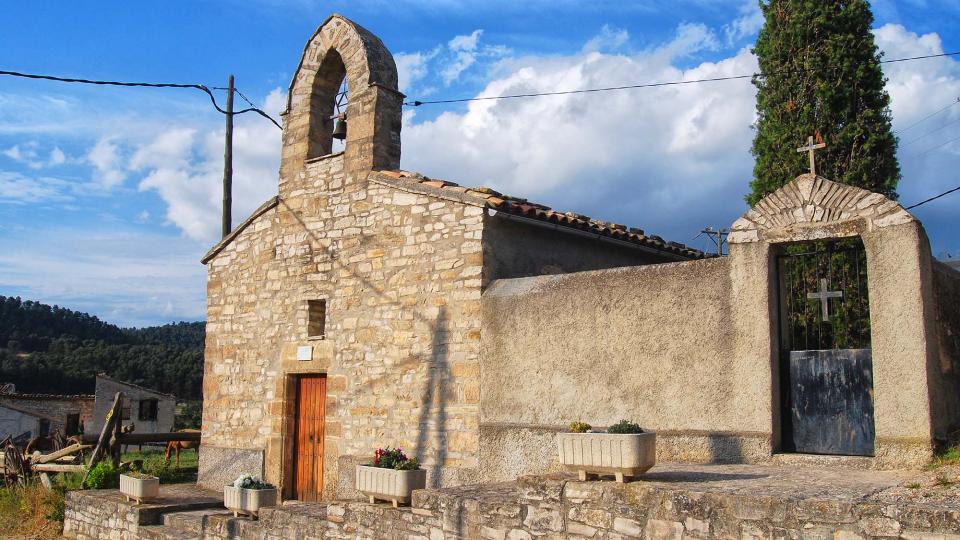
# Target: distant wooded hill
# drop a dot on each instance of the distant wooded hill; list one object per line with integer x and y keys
{"x": 49, "y": 349}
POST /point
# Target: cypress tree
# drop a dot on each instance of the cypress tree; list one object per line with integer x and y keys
{"x": 820, "y": 75}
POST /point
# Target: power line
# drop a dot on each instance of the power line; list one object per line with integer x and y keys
{"x": 203, "y": 88}
{"x": 418, "y": 103}
{"x": 935, "y": 197}
{"x": 925, "y": 135}
{"x": 927, "y": 117}
{"x": 928, "y": 150}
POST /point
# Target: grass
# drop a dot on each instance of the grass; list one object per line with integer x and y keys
{"x": 33, "y": 512}
{"x": 154, "y": 464}
{"x": 948, "y": 456}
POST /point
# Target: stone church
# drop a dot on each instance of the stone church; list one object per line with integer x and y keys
{"x": 365, "y": 306}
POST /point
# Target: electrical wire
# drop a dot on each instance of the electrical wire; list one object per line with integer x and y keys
{"x": 928, "y": 150}
{"x": 419, "y": 103}
{"x": 925, "y": 135}
{"x": 203, "y": 88}
{"x": 929, "y": 116}
{"x": 935, "y": 197}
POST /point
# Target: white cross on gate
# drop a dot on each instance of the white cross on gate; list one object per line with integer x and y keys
{"x": 810, "y": 147}
{"x": 823, "y": 295}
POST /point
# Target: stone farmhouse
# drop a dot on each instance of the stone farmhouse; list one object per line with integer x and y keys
{"x": 24, "y": 416}
{"x": 366, "y": 306}
{"x": 147, "y": 410}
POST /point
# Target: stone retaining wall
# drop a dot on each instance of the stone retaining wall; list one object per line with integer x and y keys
{"x": 722, "y": 504}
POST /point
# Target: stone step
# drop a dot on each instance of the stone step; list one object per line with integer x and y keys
{"x": 190, "y": 521}
{"x": 165, "y": 532}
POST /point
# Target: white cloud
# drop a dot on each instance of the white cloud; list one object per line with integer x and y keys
{"x": 746, "y": 25}
{"x": 19, "y": 189}
{"x": 609, "y": 39}
{"x": 106, "y": 160}
{"x": 676, "y": 155}
{"x": 466, "y": 42}
{"x": 114, "y": 274}
{"x": 449, "y": 61}
{"x": 674, "y": 158}
{"x": 185, "y": 167}
{"x": 143, "y": 216}
{"x": 57, "y": 157}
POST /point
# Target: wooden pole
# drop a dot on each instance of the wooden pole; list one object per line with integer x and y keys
{"x": 113, "y": 415}
{"x": 226, "y": 224}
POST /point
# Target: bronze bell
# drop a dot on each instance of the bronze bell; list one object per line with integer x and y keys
{"x": 340, "y": 128}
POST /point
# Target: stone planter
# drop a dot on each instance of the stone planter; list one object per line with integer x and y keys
{"x": 621, "y": 455}
{"x": 388, "y": 484}
{"x": 248, "y": 501}
{"x": 139, "y": 489}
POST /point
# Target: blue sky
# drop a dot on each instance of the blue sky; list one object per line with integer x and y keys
{"x": 108, "y": 197}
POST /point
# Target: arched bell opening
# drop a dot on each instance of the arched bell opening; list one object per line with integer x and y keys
{"x": 328, "y": 107}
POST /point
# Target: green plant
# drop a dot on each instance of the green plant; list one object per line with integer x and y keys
{"x": 914, "y": 485}
{"x": 103, "y": 475}
{"x": 387, "y": 458}
{"x": 820, "y": 75}
{"x": 247, "y": 481}
{"x": 139, "y": 475}
{"x": 943, "y": 480}
{"x": 624, "y": 427}
{"x": 580, "y": 427}
{"x": 411, "y": 464}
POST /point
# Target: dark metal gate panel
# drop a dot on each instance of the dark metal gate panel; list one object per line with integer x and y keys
{"x": 827, "y": 371}
{"x": 831, "y": 401}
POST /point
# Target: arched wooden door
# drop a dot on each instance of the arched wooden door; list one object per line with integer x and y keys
{"x": 308, "y": 437}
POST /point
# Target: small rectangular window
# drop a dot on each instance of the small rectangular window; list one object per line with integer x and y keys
{"x": 73, "y": 424}
{"x": 316, "y": 318}
{"x": 125, "y": 410}
{"x": 148, "y": 410}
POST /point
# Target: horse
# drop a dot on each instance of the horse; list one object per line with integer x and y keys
{"x": 182, "y": 445}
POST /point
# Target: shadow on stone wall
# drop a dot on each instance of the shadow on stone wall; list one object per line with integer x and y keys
{"x": 432, "y": 425}
{"x": 725, "y": 449}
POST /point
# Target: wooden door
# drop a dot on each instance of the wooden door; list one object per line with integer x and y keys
{"x": 308, "y": 436}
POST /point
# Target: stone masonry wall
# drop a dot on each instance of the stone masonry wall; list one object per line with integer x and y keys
{"x": 556, "y": 507}
{"x": 401, "y": 276}
{"x": 54, "y": 408}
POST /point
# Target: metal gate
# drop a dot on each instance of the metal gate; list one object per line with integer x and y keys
{"x": 826, "y": 369}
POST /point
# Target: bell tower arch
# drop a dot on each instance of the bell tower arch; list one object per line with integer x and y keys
{"x": 342, "y": 50}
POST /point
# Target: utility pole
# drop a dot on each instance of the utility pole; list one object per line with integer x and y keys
{"x": 226, "y": 225}
{"x": 719, "y": 237}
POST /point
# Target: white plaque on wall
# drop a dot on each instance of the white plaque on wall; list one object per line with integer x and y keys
{"x": 305, "y": 353}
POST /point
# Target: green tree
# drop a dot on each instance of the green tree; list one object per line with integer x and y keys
{"x": 820, "y": 74}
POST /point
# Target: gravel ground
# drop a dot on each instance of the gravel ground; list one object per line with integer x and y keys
{"x": 940, "y": 485}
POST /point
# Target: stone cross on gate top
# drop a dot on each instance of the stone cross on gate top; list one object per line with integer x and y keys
{"x": 810, "y": 147}
{"x": 823, "y": 295}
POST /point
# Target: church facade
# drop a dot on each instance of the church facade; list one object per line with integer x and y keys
{"x": 344, "y": 314}
{"x": 367, "y": 307}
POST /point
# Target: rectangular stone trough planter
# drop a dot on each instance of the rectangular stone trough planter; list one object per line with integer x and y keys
{"x": 388, "y": 484}
{"x": 139, "y": 489}
{"x": 248, "y": 501}
{"x": 622, "y": 455}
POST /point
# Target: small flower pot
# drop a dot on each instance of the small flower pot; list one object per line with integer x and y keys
{"x": 248, "y": 501}
{"x": 389, "y": 484}
{"x": 139, "y": 489}
{"x": 622, "y": 455}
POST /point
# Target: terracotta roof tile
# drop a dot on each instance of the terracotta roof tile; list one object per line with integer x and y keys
{"x": 522, "y": 207}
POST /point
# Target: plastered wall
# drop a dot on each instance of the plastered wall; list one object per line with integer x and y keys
{"x": 650, "y": 344}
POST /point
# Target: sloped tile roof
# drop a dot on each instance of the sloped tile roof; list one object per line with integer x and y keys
{"x": 522, "y": 207}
